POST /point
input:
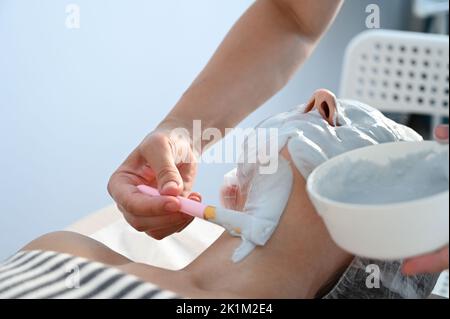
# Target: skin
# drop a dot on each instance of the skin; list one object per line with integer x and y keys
{"x": 437, "y": 261}
{"x": 299, "y": 260}
{"x": 256, "y": 59}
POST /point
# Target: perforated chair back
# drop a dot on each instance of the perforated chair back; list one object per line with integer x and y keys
{"x": 396, "y": 71}
{"x": 401, "y": 72}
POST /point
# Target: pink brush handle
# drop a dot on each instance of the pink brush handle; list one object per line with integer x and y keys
{"x": 188, "y": 206}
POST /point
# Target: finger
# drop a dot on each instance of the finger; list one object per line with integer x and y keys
{"x": 143, "y": 224}
{"x": 195, "y": 196}
{"x": 441, "y": 133}
{"x": 162, "y": 233}
{"x": 431, "y": 263}
{"x": 183, "y": 226}
{"x": 126, "y": 194}
{"x": 188, "y": 170}
{"x": 158, "y": 152}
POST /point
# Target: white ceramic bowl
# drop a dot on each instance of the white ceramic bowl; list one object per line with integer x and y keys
{"x": 388, "y": 231}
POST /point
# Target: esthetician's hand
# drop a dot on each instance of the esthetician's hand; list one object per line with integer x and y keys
{"x": 437, "y": 261}
{"x": 220, "y": 97}
{"x": 162, "y": 161}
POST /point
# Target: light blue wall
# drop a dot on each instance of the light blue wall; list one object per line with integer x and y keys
{"x": 74, "y": 103}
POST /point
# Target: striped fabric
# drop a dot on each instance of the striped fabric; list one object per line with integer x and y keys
{"x": 51, "y": 275}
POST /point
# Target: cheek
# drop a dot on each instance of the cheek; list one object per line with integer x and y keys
{"x": 233, "y": 198}
{"x": 241, "y": 198}
{"x": 228, "y": 196}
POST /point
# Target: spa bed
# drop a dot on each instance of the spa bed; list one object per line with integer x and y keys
{"x": 175, "y": 252}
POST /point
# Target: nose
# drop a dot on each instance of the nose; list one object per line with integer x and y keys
{"x": 325, "y": 101}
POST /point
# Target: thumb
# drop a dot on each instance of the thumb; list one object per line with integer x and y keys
{"x": 430, "y": 263}
{"x": 158, "y": 152}
{"x": 441, "y": 133}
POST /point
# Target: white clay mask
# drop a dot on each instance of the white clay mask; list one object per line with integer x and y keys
{"x": 262, "y": 210}
{"x": 310, "y": 140}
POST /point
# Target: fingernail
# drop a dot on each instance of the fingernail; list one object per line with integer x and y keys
{"x": 170, "y": 185}
{"x": 195, "y": 198}
{"x": 171, "y": 207}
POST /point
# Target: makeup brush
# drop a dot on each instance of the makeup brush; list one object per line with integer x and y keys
{"x": 258, "y": 230}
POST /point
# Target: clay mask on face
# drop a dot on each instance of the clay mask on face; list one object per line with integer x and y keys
{"x": 310, "y": 140}
{"x": 262, "y": 211}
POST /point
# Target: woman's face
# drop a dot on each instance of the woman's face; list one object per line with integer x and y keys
{"x": 234, "y": 195}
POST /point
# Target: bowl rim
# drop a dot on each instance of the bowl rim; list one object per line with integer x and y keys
{"x": 366, "y": 207}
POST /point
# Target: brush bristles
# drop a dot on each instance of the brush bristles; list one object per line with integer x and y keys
{"x": 209, "y": 213}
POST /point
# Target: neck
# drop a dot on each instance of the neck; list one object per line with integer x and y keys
{"x": 290, "y": 265}
{"x": 298, "y": 260}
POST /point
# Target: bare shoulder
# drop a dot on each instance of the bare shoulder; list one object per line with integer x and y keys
{"x": 77, "y": 245}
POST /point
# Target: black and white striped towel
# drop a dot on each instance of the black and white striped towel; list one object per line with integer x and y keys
{"x": 46, "y": 274}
